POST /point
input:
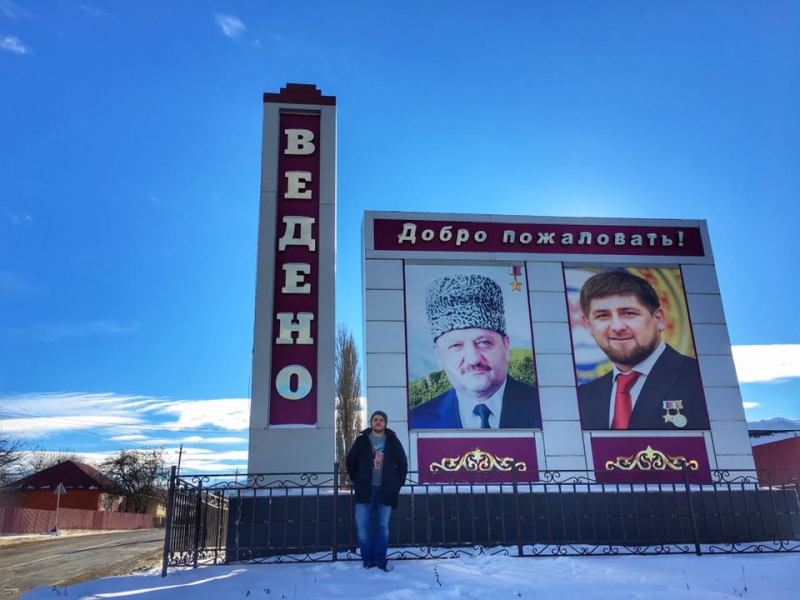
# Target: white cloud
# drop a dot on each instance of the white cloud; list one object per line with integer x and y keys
{"x": 94, "y": 458}
{"x": 49, "y": 332}
{"x": 18, "y": 219}
{"x": 196, "y": 439}
{"x": 177, "y": 440}
{"x": 35, "y": 427}
{"x": 128, "y": 438}
{"x": 232, "y": 414}
{"x": 767, "y": 363}
{"x": 10, "y": 43}
{"x": 202, "y": 460}
{"x": 121, "y": 418}
{"x": 231, "y": 25}
{"x": 750, "y": 405}
{"x": 11, "y": 10}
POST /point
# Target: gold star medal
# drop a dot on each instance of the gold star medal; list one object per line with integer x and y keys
{"x": 515, "y": 272}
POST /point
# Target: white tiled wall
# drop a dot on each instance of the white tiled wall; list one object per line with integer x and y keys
{"x": 700, "y": 279}
{"x": 561, "y": 438}
{"x": 548, "y": 307}
{"x": 384, "y": 332}
{"x": 551, "y": 338}
{"x": 717, "y": 370}
{"x": 724, "y": 404}
{"x": 384, "y": 305}
{"x": 555, "y": 370}
{"x": 559, "y": 403}
{"x": 386, "y": 336}
{"x": 711, "y": 339}
{"x": 384, "y": 274}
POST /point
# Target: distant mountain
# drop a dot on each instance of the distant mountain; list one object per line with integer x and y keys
{"x": 774, "y": 424}
{"x": 772, "y": 430}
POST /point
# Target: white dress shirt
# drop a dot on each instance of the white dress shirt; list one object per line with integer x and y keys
{"x": 470, "y": 420}
{"x": 643, "y": 368}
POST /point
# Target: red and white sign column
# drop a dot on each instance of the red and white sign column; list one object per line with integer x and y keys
{"x": 292, "y": 397}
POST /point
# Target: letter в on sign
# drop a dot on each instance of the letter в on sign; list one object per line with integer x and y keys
{"x": 299, "y": 142}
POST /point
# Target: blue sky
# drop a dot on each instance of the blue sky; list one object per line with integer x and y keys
{"x": 130, "y": 136}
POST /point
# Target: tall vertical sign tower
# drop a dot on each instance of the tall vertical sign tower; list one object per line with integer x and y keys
{"x": 292, "y": 396}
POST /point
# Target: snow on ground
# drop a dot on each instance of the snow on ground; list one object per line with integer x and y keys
{"x": 488, "y": 577}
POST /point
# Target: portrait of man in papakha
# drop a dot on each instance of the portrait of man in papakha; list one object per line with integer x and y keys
{"x": 634, "y": 353}
{"x": 470, "y": 352}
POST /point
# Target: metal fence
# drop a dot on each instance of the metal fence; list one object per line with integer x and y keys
{"x": 17, "y": 521}
{"x": 264, "y": 517}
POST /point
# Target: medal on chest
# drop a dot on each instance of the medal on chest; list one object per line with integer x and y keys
{"x": 672, "y": 413}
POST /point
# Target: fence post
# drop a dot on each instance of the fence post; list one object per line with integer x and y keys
{"x": 170, "y": 515}
{"x": 516, "y": 508}
{"x": 796, "y": 481}
{"x": 197, "y": 522}
{"x": 219, "y": 515}
{"x": 335, "y": 509}
{"x": 695, "y": 535}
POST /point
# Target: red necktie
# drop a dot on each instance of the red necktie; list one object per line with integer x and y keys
{"x": 623, "y": 405}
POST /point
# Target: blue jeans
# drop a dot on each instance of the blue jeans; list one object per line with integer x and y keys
{"x": 373, "y": 545}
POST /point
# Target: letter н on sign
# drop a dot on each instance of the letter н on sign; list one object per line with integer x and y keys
{"x": 293, "y": 398}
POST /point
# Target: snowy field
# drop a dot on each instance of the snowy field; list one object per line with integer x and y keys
{"x": 767, "y": 576}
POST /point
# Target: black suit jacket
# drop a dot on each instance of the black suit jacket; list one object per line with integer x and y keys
{"x": 520, "y": 409}
{"x": 673, "y": 377}
{"x": 393, "y": 476}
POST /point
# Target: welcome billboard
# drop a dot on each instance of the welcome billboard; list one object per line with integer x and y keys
{"x": 568, "y": 344}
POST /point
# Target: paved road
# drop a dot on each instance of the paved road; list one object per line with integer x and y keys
{"x": 66, "y": 560}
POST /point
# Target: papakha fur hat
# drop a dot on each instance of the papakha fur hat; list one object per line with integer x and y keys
{"x": 465, "y": 302}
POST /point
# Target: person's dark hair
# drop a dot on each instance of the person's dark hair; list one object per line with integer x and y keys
{"x": 618, "y": 283}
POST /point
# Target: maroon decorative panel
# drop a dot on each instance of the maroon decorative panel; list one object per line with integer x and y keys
{"x": 650, "y": 459}
{"x": 536, "y": 238}
{"x": 476, "y": 460}
{"x": 296, "y": 300}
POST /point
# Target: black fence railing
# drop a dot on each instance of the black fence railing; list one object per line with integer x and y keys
{"x": 263, "y": 517}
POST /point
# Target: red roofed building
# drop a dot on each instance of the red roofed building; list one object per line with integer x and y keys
{"x": 777, "y": 457}
{"x": 86, "y": 489}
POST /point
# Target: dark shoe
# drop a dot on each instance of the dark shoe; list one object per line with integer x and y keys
{"x": 385, "y": 568}
{"x": 369, "y": 565}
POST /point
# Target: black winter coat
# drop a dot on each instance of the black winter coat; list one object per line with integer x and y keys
{"x": 395, "y": 468}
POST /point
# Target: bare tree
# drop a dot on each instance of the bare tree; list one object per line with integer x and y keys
{"x": 11, "y": 457}
{"x": 140, "y": 474}
{"x": 40, "y": 459}
{"x": 12, "y": 451}
{"x": 348, "y": 394}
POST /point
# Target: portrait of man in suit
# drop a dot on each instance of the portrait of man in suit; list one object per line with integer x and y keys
{"x": 651, "y": 385}
{"x": 468, "y": 335}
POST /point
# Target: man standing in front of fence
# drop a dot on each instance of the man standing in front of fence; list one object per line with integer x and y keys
{"x": 377, "y": 466}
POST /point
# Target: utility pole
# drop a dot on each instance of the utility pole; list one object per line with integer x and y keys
{"x": 59, "y": 491}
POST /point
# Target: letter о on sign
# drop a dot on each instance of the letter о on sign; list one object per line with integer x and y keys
{"x": 294, "y": 374}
